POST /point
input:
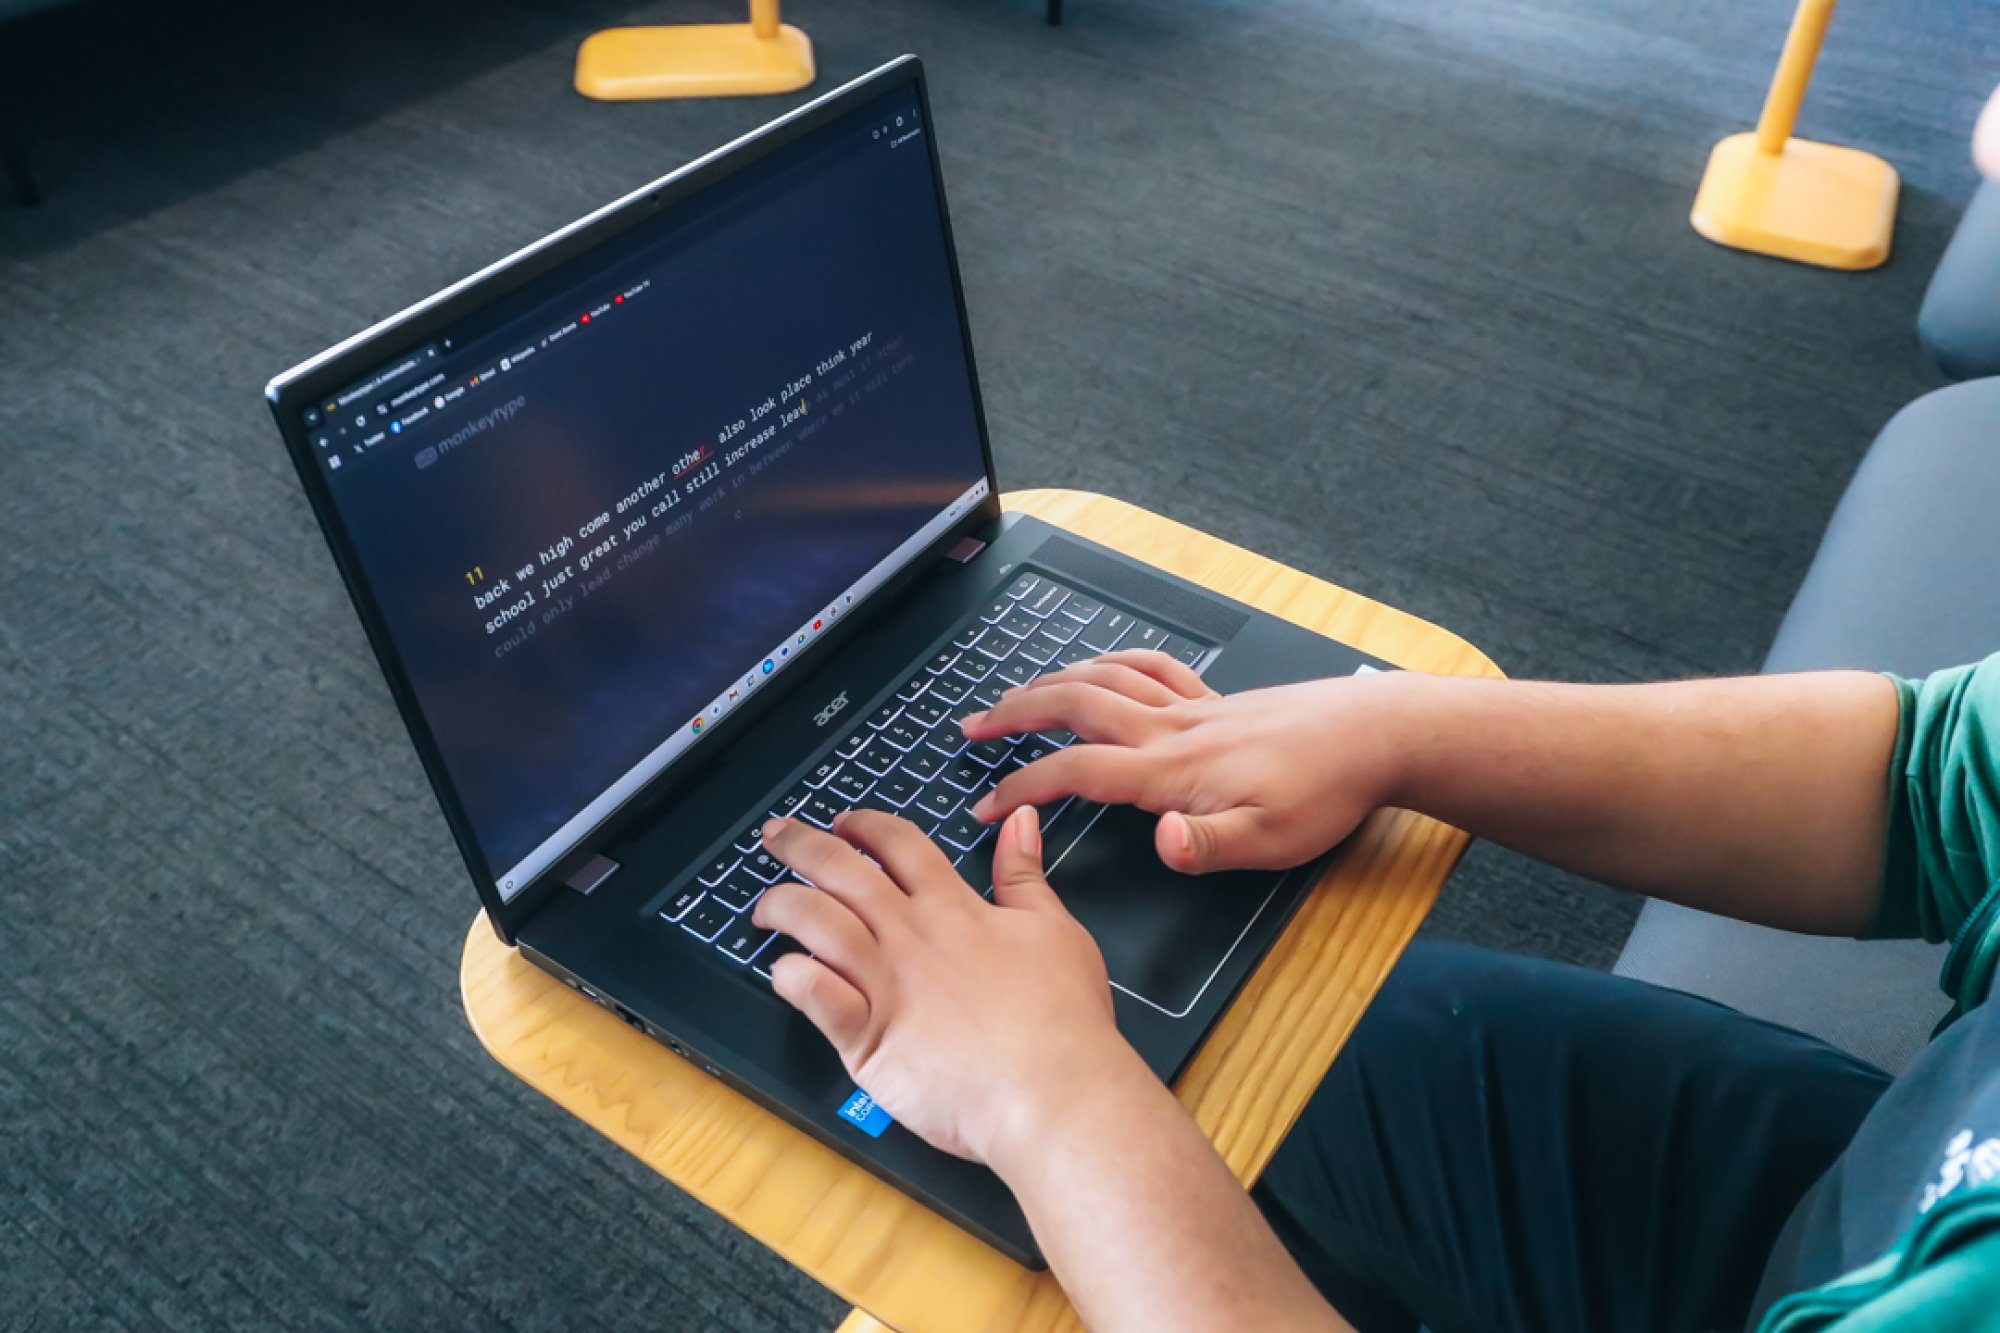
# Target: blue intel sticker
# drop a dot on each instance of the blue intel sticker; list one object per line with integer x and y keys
{"x": 862, "y": 1110}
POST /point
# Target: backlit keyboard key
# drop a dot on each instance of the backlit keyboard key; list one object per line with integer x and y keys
{"x": 1081, "y": 609}
{"x": 1022, "y": 586}
{"x": 939, "y": 800}
{"x": 819, "y": 776}
{"x": 738, "y": 891}
{"x": 819, "y": 810}
{"x": 947, "y": 741}
{"x": 899, "y": 789}
{"x": 709, "y": 919}
{"x": 1040, "y": 650}
{"x": 940, "y": 664}
{"x": 915, "y": 687}
{"x": 1016, "y": 672}
{"x": 1031, "y": 749}
{"x": 846, "y": 749}
{"x": 1145, "y": 636}
{"x": 903, "y": 734}
{"x": 966, "y": 775}
{"x": 886, "y": 714}
{"x": 763, "y": 865}
{"x": 1107, "y": 630}
{"x": 878, "y": 758}
{"x": 677, "y": 906}
{"x": 951, "y": 688}
{"x": 963, "y": 831}
{"x": 1018, "y": 623}
{"x": 1044, "y": 600}
{"x": 927, "y": 713}
{"x": 744, "y": 942}
{"x": 850, "y": 784}
{"x": 924, "y": 763}
{"x": 991, "y": 754}
{"x": 1062, "y": 629}
{"x": 1000, "y": 608}
{"x": 972, "y": 669}
{"x": 719, "y": 867}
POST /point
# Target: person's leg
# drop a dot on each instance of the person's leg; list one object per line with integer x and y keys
{"x": 1507, "y": 1144}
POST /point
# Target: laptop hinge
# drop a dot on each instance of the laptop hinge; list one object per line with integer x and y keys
{"x": 591, "y": 873}
{"x": 965, "y": 550}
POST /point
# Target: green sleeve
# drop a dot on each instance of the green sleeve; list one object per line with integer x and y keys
{"x": 1942, "y": 856}
{"x": 1958, "y": 1293}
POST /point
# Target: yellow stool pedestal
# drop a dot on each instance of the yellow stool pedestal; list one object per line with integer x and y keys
{"x": 1816, "y": 203}
{"x": 693, "y": 60}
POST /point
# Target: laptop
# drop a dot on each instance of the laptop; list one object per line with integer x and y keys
{"x": 684, "y": 517}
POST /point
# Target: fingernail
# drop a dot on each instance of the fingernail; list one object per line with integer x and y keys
{"x": 839, "y": 819}
{"x": 982, "y": 809}
{"x": 1028, "y": 830}
{"x": 773, "y": 827}
{"x": 1181, "y": 838}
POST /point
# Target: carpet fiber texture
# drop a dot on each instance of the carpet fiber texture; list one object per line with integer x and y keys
{"x": 1402, "y": 294}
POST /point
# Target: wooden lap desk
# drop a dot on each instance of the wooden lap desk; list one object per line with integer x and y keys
{"x": 894, "y": 1259}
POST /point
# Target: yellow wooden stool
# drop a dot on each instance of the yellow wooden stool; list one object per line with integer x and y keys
{"x": 696, "y": 59}
{"x": 907, "y": 1268}
{"x": 1817, "y": 203}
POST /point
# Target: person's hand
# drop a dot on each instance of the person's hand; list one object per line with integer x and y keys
{"x": 1265, "y": 779}
{"x": 970, "y": 1022}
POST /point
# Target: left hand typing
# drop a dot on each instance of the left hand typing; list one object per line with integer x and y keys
{"x": 970, "y": 1022}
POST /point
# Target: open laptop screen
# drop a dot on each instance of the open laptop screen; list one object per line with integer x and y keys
{"x": 598, "y": 517}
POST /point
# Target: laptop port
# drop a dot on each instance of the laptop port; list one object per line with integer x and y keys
{"x": 638, "y": 1023}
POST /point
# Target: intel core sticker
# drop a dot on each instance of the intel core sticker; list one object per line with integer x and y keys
{"x": 862, "y": 1110}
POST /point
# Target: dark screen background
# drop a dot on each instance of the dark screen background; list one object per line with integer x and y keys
{"x": 833, "y": 238}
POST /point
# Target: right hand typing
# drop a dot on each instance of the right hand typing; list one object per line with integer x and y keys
{"x": 1266, "y": 779}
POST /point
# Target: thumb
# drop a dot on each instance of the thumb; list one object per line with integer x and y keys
{"x": 1195, "y": 844}
{"x": 1017, "y": 864}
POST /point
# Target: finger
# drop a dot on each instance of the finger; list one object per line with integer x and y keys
{"x": 1228, "y": 840}
{"x": 829, "y": 1001}
{"x": 1091, "y": 712}
{"x": 1018, "y": 880}
{"x": 1103, "y": 773}
{"x": 1171, "y": 672}
{"x": 826, "y": 926}
{"x": 1117, "y": 677}
{"x": 835, "y": 867}
{"x": 914, "y": 863}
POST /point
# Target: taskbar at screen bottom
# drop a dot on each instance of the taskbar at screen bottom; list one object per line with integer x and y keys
{"x": 754, "y": 676}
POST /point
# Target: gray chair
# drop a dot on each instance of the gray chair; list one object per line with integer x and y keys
{"x": 1902, "y": 582}
{"x": 1960, "y": 320}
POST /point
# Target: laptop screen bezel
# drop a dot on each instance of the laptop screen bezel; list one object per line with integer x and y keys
{"x": 292, "y": 392}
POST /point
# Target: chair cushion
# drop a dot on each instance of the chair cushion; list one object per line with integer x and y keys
{"x": 1902, "y": 582}
{"x": 1959, "y": 323}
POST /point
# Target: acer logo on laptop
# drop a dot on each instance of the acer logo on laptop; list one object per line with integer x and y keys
{"x": 831, "y": 711}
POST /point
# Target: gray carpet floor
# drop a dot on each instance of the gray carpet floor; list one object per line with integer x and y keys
{"x": 1402, "y": 294}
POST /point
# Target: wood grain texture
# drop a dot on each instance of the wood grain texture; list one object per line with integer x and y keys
{"x": 868, "y": 1241}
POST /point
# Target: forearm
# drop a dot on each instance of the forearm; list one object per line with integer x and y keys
{"x": 1143, "y": 1223}
{"x": 1764, "y": 798}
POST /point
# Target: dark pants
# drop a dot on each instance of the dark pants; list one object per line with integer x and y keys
{"x": 1513, "y": 1144}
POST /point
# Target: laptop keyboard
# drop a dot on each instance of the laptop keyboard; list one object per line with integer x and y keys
{"x": 909, "y": 757}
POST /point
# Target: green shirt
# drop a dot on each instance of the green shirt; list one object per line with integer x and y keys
{"x": 1903, "y": 1232}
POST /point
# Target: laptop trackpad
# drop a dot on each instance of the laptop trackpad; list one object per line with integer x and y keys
{"x": 1163, "y": 934}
